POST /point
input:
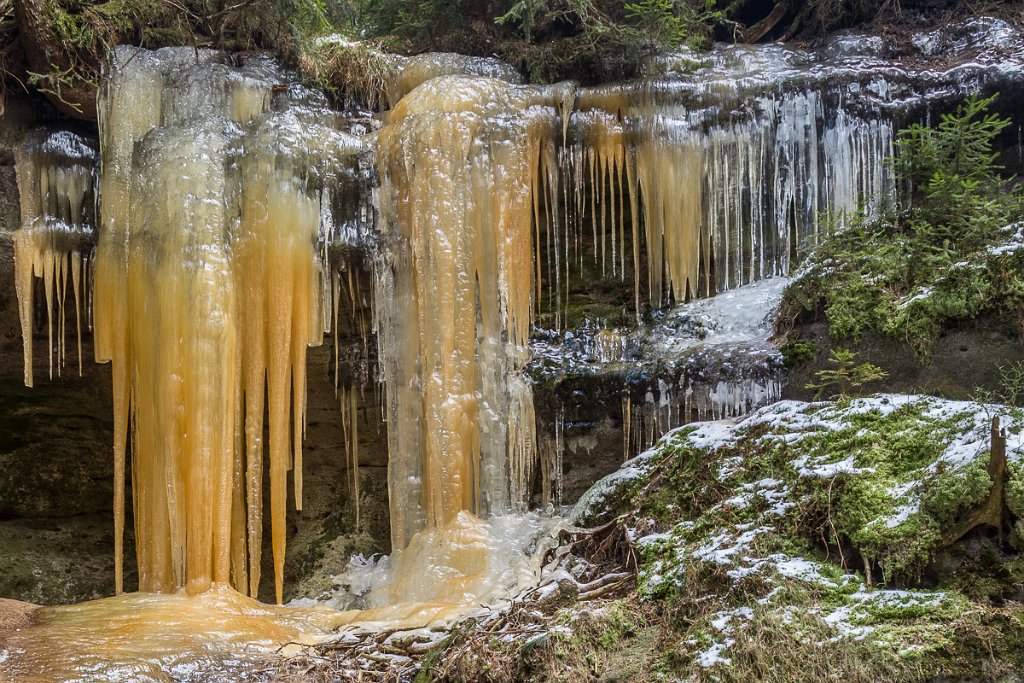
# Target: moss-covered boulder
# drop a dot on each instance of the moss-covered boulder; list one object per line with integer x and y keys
{"x": 831, "y": 537}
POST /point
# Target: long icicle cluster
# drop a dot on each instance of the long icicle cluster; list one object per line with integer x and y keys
{"x": 210, "y": 286}
{"x": 54, "y": 170}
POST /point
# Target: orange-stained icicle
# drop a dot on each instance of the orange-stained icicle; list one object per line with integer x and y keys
{"x": 209, "y": 289}
{"x": 460, "y": 208}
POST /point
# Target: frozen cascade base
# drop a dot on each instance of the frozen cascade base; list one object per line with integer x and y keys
{"x": 445, "y": 574}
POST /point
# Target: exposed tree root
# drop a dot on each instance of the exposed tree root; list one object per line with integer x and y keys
{"x": 589, "y": 565}
{"x": 993, "y": 511}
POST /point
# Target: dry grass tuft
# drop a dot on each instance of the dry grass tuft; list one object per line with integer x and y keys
{"x": 355, "y": 71}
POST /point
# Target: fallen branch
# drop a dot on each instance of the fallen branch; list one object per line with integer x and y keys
{"x": 762, "y": 28}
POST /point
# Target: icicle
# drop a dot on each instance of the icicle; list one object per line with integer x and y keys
{"x": 335, "y": 298}
{"x": 558, "y": 466}
{"x": 461, "y": 188}
{"x": 55, "y": 183}
{"x": 209, "y": 286}
{"x": 350, "y": 434}
{"x": 627, "y": 425}
{"x": 717, "y": 201}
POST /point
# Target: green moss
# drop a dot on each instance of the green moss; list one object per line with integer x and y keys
{"x": 73, "y": 30}
{"x": 767, "y": 528}
{"x": 797, "y": 352}
{"x": 891, "y": 499}
{"x": 618, "y": 623}
{"x": 859, "y": 501}
{"x": 1015, "y": 488}
{"x": 947, "y": 496}
{"x": 896, "y": 460}
{"x": 685, "y": 477}
{"x": 904, "y": 550}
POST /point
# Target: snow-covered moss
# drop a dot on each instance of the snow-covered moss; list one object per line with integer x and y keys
{"x": 887, "y": 475}
{"x": 859, "y": 279}
{"x": 811, "y": 516}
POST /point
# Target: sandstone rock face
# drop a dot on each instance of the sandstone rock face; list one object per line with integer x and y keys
{"x": 56, "y": 524}
{"x": 967, "y": 357}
